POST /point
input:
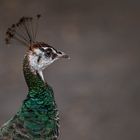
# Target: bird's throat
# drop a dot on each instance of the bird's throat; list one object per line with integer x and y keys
{"x": 34, "y": 79}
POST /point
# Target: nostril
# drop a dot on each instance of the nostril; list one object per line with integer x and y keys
{"x": 59, "y": 52}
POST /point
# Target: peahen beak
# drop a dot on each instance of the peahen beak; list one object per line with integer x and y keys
{"x": 61, "y": 54}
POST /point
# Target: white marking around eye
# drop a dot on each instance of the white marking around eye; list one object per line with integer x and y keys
{"x": 45, "y": 48}
{"x": 42, "y": 64}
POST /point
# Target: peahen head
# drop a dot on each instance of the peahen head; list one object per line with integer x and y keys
{"x": 39, "y": 54}
{"x": 42, "y": 55}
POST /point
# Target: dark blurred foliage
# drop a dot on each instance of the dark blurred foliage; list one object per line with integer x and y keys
{"x": 98, "y": 90}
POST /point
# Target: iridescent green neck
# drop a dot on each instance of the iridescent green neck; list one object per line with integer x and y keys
{"x": 38, "y": 113}
{"x": 33, "y": 79}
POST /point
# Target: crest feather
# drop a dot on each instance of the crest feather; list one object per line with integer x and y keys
{"x": 24, "y": 31}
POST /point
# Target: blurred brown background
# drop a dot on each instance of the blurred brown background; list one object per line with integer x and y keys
{"x": 98, "y": 90}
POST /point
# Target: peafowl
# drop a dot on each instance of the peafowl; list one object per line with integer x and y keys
{"x": 38, "y": 117}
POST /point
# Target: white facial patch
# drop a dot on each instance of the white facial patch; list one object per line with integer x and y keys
{"x": 38, "y": 61}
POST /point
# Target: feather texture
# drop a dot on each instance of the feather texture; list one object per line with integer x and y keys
{"x": 38, "y": 117}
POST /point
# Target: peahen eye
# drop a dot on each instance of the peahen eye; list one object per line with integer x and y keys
{"x": 48, "y": 52}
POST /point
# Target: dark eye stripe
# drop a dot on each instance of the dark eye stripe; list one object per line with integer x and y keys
{"x": 38, "y": 59}
{"x": 43, "y": 50}
{"x": 54, "y": 56}
{"x": 49, "y": 50}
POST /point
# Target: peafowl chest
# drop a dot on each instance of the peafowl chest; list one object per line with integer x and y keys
{"x": 39, "y": 114}
{"x": 37, "y": 118}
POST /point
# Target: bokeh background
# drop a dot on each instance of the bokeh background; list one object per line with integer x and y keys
{"x": 98, "y": 90}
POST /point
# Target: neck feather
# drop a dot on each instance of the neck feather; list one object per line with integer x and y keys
{"x": 39, "y": 105}
{"x": 34, "y": 78}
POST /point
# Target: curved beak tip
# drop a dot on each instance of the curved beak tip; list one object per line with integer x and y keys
{"x": 66, "y": 56}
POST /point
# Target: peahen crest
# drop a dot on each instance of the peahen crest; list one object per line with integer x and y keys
{"x": 24, "y": 31}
